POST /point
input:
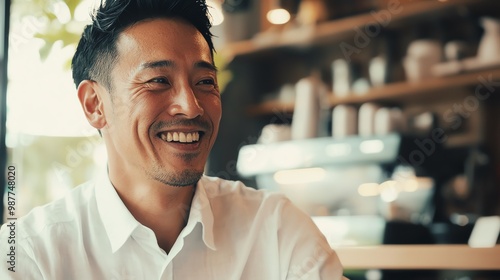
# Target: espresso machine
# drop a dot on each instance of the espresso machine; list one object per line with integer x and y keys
{"x": 390, "y": 183}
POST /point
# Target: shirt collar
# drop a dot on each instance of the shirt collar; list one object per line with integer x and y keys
{"x": 117, "y": 219}
{"x": 201, "y": 212}
{"x": 119, "y": 223}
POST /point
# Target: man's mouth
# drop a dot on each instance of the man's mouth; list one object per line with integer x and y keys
{"x": 180, "y": 137}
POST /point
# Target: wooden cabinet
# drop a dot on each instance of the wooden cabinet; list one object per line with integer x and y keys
{"x": 285, "y": 53}
{"x": 261, "y": 66}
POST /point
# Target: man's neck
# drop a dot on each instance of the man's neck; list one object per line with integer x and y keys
{"x": 163, "y": 209}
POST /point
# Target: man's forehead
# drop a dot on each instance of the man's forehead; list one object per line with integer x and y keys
{"x": 163, "y": 35}
{"x": 162, "y": 43}
{"x": 158, "y": 29}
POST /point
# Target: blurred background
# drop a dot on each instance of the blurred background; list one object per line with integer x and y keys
{"x": 379, "y": 118}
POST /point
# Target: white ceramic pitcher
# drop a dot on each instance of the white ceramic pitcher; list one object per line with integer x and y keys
{"x": 489, "y": 46}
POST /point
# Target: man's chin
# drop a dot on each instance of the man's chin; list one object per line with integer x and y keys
{"x": 182, "y": 179}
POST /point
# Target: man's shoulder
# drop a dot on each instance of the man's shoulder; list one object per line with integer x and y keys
{"x": 237, "y": 191}
{"x": 234, "y": 199}
{"x": 60, "y": 211}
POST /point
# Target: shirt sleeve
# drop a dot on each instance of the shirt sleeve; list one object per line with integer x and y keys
{"x": 305, "y": 251}
{"x": 15, "y": 262}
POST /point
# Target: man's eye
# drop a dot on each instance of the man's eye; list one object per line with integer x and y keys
{"x": 159, "y": 80}
{"x": 207, "y": 82}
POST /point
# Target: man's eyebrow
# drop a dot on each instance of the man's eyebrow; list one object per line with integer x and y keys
{"x": 205, "y": 65}
{"x": 157, "y": 64}
{"x": 170, "y": 63}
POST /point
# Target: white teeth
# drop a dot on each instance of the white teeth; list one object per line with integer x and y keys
{"x": 181, "y": 137}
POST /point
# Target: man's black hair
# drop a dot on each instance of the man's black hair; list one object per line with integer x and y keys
{"x": 96, "y": 52}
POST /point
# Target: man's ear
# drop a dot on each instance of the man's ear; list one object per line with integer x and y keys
{"x": 92, "y": 103}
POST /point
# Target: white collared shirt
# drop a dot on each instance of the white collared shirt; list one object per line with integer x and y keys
{"x": 233, "y": 232}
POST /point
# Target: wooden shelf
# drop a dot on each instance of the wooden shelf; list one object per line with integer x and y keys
{"x": 394, "y": 93}
{"x": 269, "y": 108}
{"x": 424, "y": 90}
{"x": 336, "y": 29}
{"x": 440, "y": 257}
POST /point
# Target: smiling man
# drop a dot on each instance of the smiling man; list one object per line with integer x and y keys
{"x": 146, "y": 80}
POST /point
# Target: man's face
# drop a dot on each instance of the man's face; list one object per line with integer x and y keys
{"x": 162, "y": 114}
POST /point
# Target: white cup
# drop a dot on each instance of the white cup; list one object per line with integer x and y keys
{"x": 342, "y": 77}
{"x": 306, "y": 111}
{"x": 344, "y": 121}
{"x": 420, "y": 58}
{"x": 366, "y": 119}
{"x": 388, "y": 120}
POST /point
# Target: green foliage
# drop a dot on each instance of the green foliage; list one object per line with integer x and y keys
{"x": 224, "y": 75}
{"x": 50, "y": 28}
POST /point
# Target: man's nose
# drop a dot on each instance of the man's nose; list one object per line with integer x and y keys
{"x": 185, "y": 103}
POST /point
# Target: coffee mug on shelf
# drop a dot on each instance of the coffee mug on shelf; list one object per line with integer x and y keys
{"x": 366, "y": 119}
{"x": 420, "y": 58}
{"x": 307, "y": 108}
{"x": 344, "y": 121}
